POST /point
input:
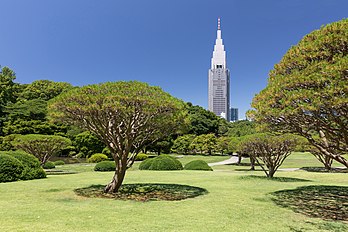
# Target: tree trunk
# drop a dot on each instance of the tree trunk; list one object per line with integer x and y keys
{"x": 328, "y": 163}
{"x": 271, "y": 172}
{"x": 252, "y": 163}
{"x": 239, "y": 158}
{"x": 117, "y": 180}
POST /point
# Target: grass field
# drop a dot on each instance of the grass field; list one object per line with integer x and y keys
{"x": 234, "y": 202}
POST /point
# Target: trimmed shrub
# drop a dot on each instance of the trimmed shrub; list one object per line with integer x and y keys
{"x": 98, "y": 157}
{"x": 141, "y": 157}
{"x": 10, "y": 168}
{"x": 105, "y": 166}
{"x": 49, "y": 165}
{"x": 31, "y": 164}
{"x": 198, "y": 165}
{"x": 59, "y": 162}
{"x": 162, "y": 162}
{"x": 145, "y": 165}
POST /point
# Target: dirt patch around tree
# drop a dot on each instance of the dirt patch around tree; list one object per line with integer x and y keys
{"x": 144, "y": 192}
{"x": 320, "y": 201}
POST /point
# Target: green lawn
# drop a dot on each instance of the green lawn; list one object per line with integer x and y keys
{"x": 234, "y": 203}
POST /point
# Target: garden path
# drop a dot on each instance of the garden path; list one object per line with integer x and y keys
{"x": 232, "y": 160}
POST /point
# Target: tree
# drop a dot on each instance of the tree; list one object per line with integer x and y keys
{"x": 41, "y": 146}
{"x": 269, "y": 151}
{"x": 29, "y": 117}
{"x": 7, "y": 91}
{"x": 88, "y": 144}
{"x": 241, "y": 128}
{"x": 307, "y": 92}
{"x": 223, "y": 145}
{"x": 202, "y": 121}
{"x": 44, "y": 90}
{"x": 182, "y": 144}
{"x": 126, "y": 116}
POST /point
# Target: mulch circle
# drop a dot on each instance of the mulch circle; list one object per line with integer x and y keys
{"x": 144, "y": 192}
{"x": 320, "y": 201}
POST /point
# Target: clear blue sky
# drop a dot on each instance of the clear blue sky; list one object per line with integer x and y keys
{"x": 164, "y": 43}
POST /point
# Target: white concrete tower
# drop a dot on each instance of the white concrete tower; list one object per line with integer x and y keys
{"x": 219, "y": 80}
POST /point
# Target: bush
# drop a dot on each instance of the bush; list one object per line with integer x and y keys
{"x": 59, "y": 162}
{"x": 145, "y": 165}
{"x": 141, "y": 157}
{"x": 98, "y": 157}
{"x": 162, "y": 162}
{"x": 31, "y": 164}
{"x": 106, "y": 151}
{"x": 10, "y": 168}
{"x": 105, "y": 166}
{"x": 198, "y": 165}
{"x": 49, "y": 165}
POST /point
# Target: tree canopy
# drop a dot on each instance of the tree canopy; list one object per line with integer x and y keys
{"x": 307, "y": 91}
{"x": 126, "y": 116}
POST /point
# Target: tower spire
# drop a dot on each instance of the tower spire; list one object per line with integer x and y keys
{"x": 219, "y": 23}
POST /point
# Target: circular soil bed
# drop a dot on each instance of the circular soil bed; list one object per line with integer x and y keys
{"x": 321, "y": 201}
{"x": 144, "y": 192}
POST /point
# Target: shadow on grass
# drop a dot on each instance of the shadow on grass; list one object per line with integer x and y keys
{"x": 320, "y": 201}
{"x": 144, "y": 192}
{"x": 278, "y": 179}
{"x": 321, "y": 169}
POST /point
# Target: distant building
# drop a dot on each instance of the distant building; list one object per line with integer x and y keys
{"x": 234, "y": 114}
{"x": 219, "y": 80}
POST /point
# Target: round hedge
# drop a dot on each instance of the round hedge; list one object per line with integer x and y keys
{"x": 10, "y": 168}
{"x": 161, "y": 163}
{"x": 59, "y": 162}
{"x": 31, "y": 164}
{"x": 141, "y": 157}
{"x": 98, "y": 157}
{"x": 105, "y": 166}
{"x": 49, "y": 165}
{"x": 198, "y": 165}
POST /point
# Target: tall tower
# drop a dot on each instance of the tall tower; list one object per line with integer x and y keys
{"x": 219, "y": 80}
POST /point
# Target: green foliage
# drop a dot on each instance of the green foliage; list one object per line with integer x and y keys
{"x": 145, "y": 165}
{"x": 307, "y": 91}
{"x": 204, "y": 144}
{"x": 10, "y": 168}
{"x": 49, "y": 165}
{"x": 202, "y": 121}
{"x": 59, "y": 162}
{"x": 31, "y": 165}
{"x": 105, "y": 166}
{"x": 29, "y": 117}
{"x": 161, "y": 163}
{"x": 241, "y": 128}
{"x": 182, "y": 144}
{"x": 44, "y": 90}
{"x": 106, "y": 151}
{"x": 41, "y": 146}
{"x": 7, "y": 91}
{"x": 198, "y": 165}
{"x": 141, "y": 157}
{"x": 88, "y": 144}
{"x": 96, "y": 158}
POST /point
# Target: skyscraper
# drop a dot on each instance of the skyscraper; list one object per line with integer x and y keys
{"x": 234, "y": 114}
{"x": 219, "y": 80}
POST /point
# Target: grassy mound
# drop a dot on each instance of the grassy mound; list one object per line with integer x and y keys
{"x": 198, "y": 165}
{"x": 161, "y": 163}
{"x": 145, "y": 192}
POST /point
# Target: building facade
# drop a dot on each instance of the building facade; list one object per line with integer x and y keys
{"x": 219, "y": 80}
{"x": 234, "y": 114}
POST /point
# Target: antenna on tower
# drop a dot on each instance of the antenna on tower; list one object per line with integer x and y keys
{"x": 219, "y": 24}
